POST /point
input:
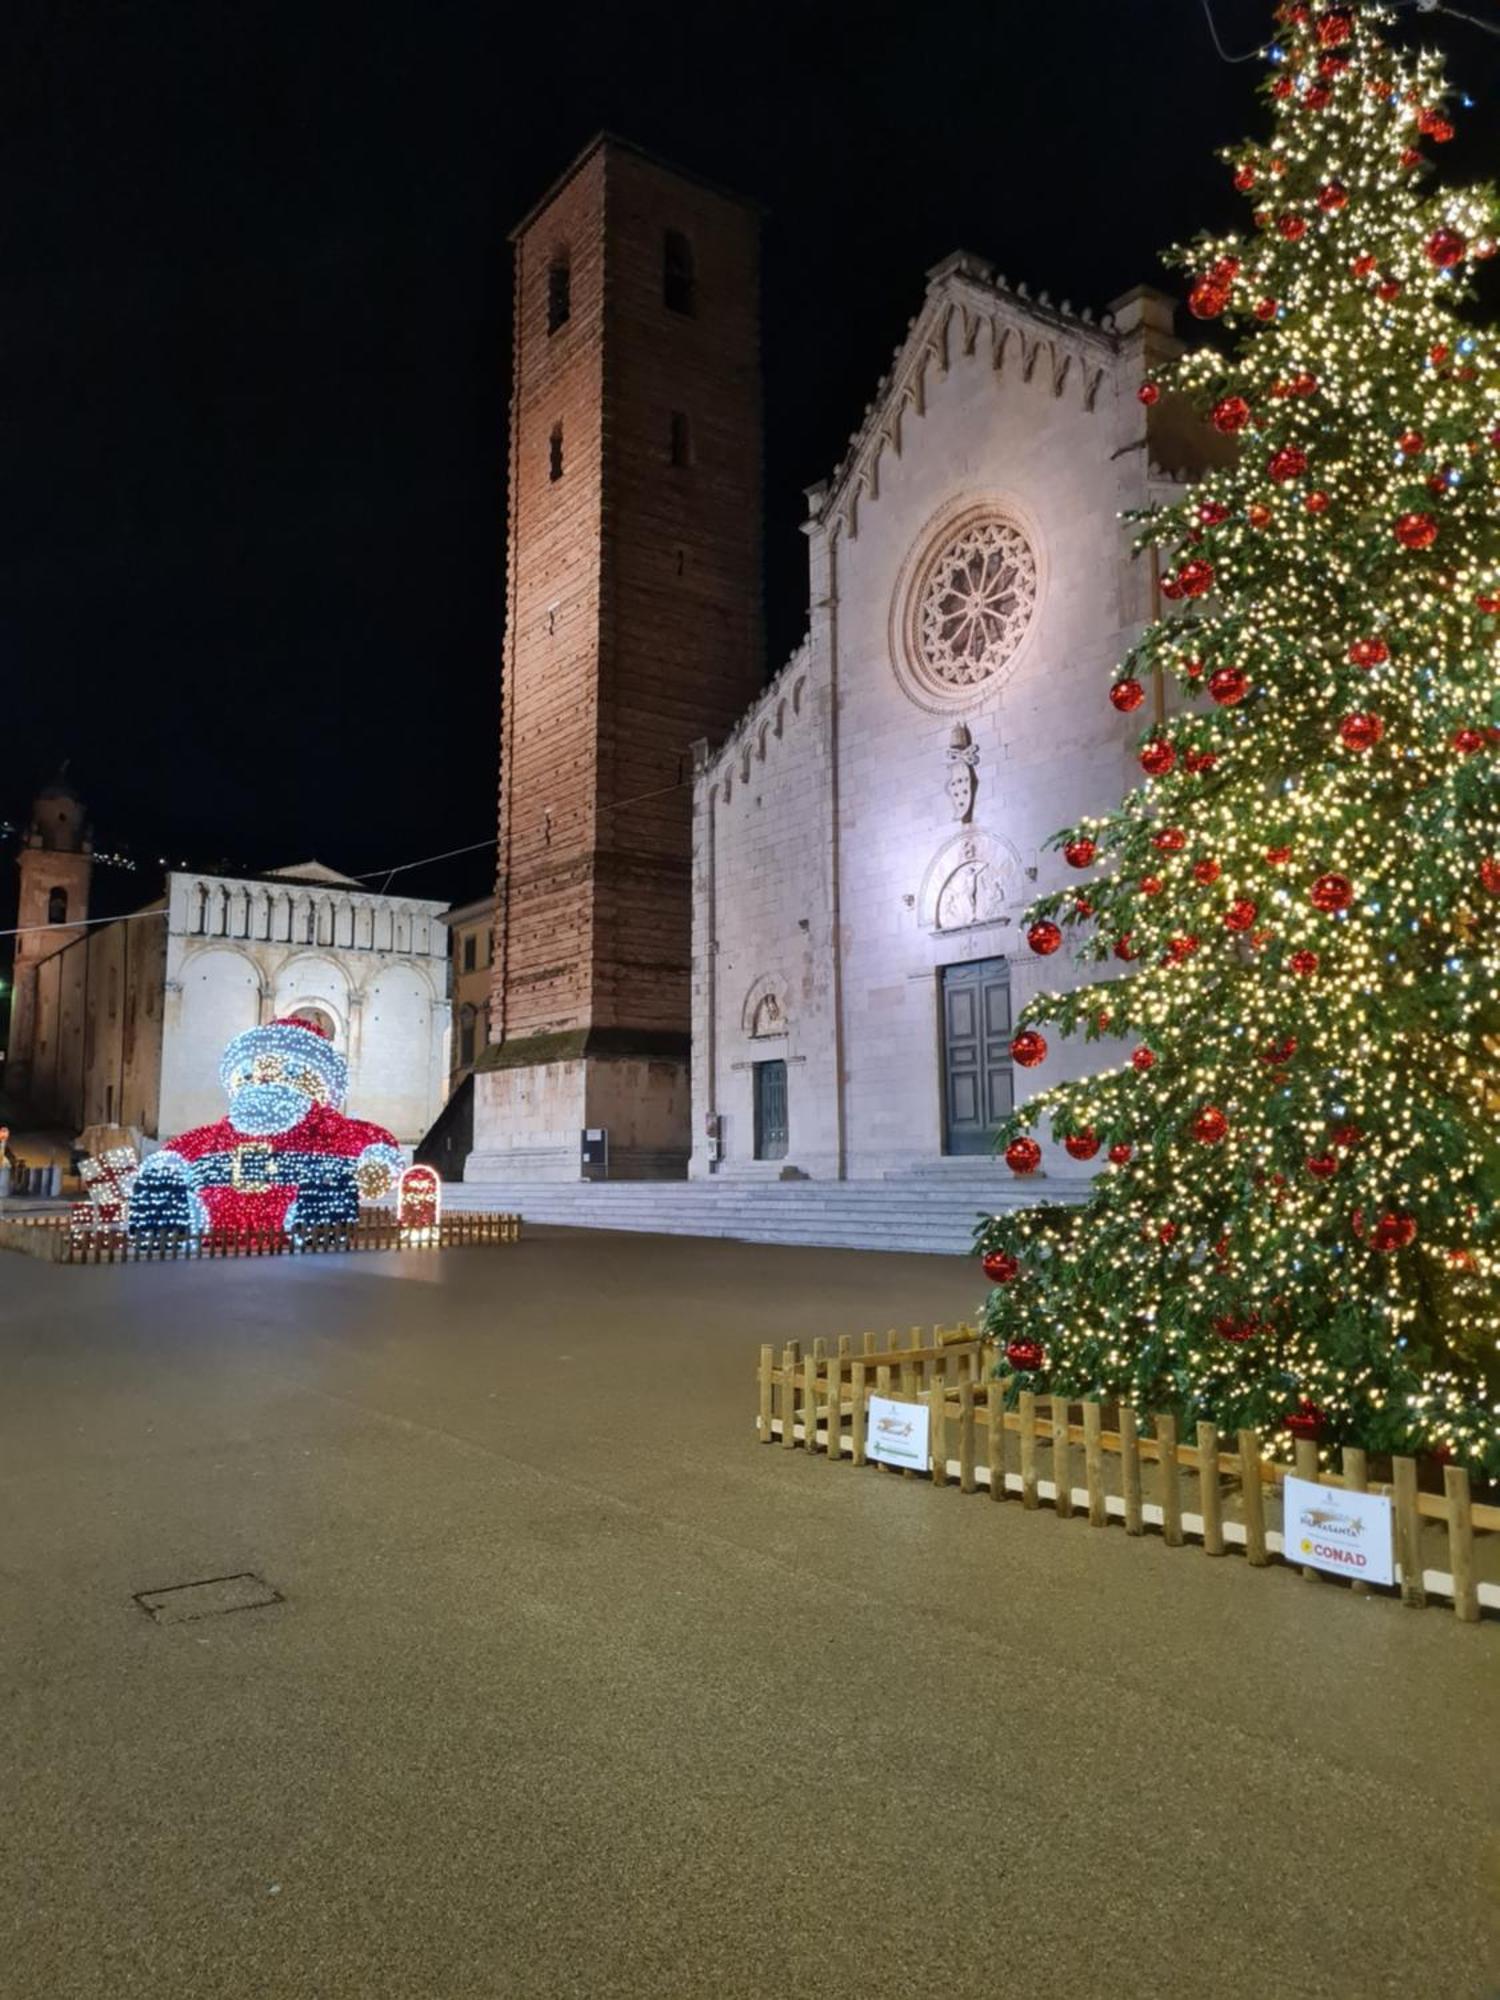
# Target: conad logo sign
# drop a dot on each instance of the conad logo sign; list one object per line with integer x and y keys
{"x": 1334, "y": 1552}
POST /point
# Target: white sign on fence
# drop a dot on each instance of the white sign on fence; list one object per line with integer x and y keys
{"x": 1350, "y": 1534}
{"x": 896, "y": 1433}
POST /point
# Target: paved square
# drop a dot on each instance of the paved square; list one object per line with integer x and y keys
{"x": 577, "y": 1690}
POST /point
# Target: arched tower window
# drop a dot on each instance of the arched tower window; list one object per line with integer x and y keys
{"x": 559, "y": 289}
{"x": 57, "y": 906}
{"x": 555, "y": 453}
{"x": 678, "y": 279}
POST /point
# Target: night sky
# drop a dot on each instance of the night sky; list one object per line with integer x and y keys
{"x": 254, "y": 290}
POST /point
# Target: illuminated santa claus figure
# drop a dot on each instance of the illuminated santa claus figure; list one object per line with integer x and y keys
{"x": 285, "y": 1159}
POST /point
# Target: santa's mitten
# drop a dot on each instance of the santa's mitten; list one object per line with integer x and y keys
{"x": 376, "y": 1171}
{"x": 164, "y": 1197}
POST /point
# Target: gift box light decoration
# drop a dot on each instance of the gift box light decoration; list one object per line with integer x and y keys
{"x": 1300, "y": 1230}
{"x": 419, "y": 1203}
{"x": 108, "y": 1181}
{"x": 285, "y": 1159}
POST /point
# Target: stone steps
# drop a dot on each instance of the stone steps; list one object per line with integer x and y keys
{"x": 936, "y": 1214}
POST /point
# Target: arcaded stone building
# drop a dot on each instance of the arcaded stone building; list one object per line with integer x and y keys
{"x": 632, "y": 629}
{"x": 124, "y": 1022}
{"x": 867, "y": 837}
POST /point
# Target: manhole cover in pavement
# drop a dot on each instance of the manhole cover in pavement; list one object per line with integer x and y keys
{"x": 207, "y": 1599}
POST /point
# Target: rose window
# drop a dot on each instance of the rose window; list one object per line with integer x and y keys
{"x": 977, "y": 599}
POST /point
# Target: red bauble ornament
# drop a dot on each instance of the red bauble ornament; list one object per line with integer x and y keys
{"x": 1170, "y": 840}
{"x": 1025, "y": 1356}
{"x": 1167, "y": 1234}
{"x": 1124, "y": 949}
{"x": 1150, "y": 885}
{"x": 1044, "y": 937}
{"x": 1208, "y": 298}
{"x": 1303, "y": 963}
{"x": 1437, "y": 354}
{"x": 1317, "y": 502}
{"x": 1345, "y": 1135}
{"x": 1231, "y": 414}
{"x": 1244, "y": 178}
{"x": 1445, "y": 248}
{"x": 1228, "y": 685}
{"x": 1288, "y": 463}
{"x": 1333, "y": 30}
{"x": 1411, "y": 156}
{"x": 1369, "y": 652}
{"x": 1210, "y": 1126}
{"x": 1410, "y": 443}
{"x": 1082, "y": 906}
{"x": 1467, "y": 741}
{"x": 1023, "y": 1156}
{"x": 1196, "y": 578}
{"x": 1279, "y": 1052}
{"x": 1395, "y": 1230}
{"x": 1127, "y": 695}
{"x": 1082, "y": 1145}
{"x": 1489, "y": 875}
{"x": 1180, "y": 948}
{"x": 1322, "y": 1166}
{"x": 1240, "y": 915}
{"x": 1364, "y": 264}
{"x": 1332, "y": 197}
{"x": 1170, "y": 588}
{"x": 1415, "y": 531}
{"x": 1292, "y": 227}
{"x": 1158, "y": 757}
{"x": 1212, "y": 512}
{"x": 1305, "y": 1421}
{"x": 1488, "y": 605}
{"x": 1282, "y": 87}
{"x": 1142, "y": 1059}
{"x": 1265, "y": 309}
{"x": 1227, "y": 1327}
{"x": 1000, "y": 1267}
{"x": 1435, "y": 128}
{"x": 1029, "y": 1048}
{"x": 1148, "y": 393}
{"x": 1361, "y": 732}
{"x": 1080, "y": 853}
{"x": 1387, "y": 290}
{"x": 1119, "y": 1154}
{"x": 1278, "y": 856}
{"x": 1207, "y": 870}
{"x": 1201, "y": 760}
{"x": 1332, "y": 892}
{"x": 1257, "y": 515}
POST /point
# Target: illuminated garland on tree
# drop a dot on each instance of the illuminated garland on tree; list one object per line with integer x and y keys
{"x": 1300, "y": 1226}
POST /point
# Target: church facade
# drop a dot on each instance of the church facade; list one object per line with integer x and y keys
{"x": 868, "y": 836}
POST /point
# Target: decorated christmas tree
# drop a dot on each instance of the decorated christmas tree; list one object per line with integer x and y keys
{"x": 1298, "y": 1227}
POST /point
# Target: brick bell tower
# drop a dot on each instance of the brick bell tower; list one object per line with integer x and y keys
{"x": 633, "y": 627}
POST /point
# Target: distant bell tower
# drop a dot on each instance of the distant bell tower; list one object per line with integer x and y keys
{"x": 55, "y": 864}
{"x": 633, "y": 627}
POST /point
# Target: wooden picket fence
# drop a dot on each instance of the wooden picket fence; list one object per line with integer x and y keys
{"x": 54, "y": 1239}
{"x": 821, "y": 1402}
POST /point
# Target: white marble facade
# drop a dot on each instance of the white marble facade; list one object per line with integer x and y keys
{"x": 879, "y": 814}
